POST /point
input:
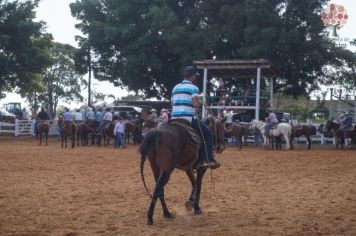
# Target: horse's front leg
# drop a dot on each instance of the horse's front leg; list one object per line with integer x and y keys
{"x": 264, "y": 141}
{"x": 73, "y": 141}
{"x": 46, "y": 138}
{"x": 291, "y": 142}
{"x": 198, "y": 183}
{"x": 287, "y": 142}
{"x": 309, "y": 141}
{"x": 190, "y": 203}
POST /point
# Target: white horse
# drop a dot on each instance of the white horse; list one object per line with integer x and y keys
{"x": 283, "y": 129}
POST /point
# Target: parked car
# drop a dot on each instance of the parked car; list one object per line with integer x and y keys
{"x": 124, "y": 111}
{"x": 7, "y": 117}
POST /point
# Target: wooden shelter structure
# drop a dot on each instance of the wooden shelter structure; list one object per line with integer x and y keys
{"x": 240, "y": 69}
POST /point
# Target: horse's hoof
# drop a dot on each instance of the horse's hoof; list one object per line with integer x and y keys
{"x": 149, "y": 222}
{"x": 169, "y": 215}
{"x": 198, "y": 211}
{"x": 189, "y": 205}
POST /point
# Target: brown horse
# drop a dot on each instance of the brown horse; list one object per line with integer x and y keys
{"x": 108, "y": 133}
{"x": 238, "y": 131}
{"x": 129, "y": 130}
{"x": 42, "y": 128}
{"x": 82, "y": 134}
{"x": 169, "y": 147}
{"x": 339, "y": 135}
{"x": 302, "y": 130}
{"x": 137, "y": 133}
{"x": 92, "y": 127}
{"x": 69, "y": 130}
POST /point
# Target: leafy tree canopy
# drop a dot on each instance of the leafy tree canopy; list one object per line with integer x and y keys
{"x": 145, "y": 44}
{"x": 24, "y": 49}
{"x": 61, "y": 81}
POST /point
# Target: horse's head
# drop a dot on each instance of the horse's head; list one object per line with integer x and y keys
{"x": 329, "y": 126}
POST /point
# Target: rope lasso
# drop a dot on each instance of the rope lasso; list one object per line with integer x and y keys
{"x": 205, "y": 147}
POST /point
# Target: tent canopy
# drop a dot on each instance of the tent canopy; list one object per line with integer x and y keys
{"x": 237, "y": 68}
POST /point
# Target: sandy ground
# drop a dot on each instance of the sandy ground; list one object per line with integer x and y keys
{"x": 98, "y": 191}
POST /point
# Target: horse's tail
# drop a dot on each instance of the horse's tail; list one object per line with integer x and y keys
{"x": 149, "y": 144}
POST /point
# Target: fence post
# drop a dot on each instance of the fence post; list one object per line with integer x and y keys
{"x": 33, "y": 127}
{"x": 322, "y": 141}
{"x": 17, "y": 130}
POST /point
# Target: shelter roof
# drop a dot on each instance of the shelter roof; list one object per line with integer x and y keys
{"x": 237, "y": 68}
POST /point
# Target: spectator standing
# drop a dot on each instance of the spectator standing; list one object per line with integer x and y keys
{"x": 119, "y": 132}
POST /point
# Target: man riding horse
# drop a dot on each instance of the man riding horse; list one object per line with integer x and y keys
{"x": 271, "y": 120}
{"x": 345, "y": 122}
{"x": 184, "y": 101}
{"x": 107, "y": 119}
{"x": 42, "y": 116}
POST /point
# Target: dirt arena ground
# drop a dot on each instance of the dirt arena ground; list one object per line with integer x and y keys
{"x": 98, "y": 191}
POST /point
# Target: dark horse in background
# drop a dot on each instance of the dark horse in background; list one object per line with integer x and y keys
{"x": 302, "y": 130}
{"x": 108, "y": 133}
{"x": 339, "y": 135}
{"x": 69, "y": 129}
{"x": 169, "y": 147}
{"x": 238, "y": 131}
{"x": 83, "y": 131}
{"x": 129, "y": 131}
{"x": 42, "y": 128}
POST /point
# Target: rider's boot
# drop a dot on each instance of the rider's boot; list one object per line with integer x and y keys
{"x": 212, "y": 164}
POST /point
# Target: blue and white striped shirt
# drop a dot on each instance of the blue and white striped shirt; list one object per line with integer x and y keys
{"x": 182, "y": 100}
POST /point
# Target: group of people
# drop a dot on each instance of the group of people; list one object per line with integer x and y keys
{"x": 100, "y": 120}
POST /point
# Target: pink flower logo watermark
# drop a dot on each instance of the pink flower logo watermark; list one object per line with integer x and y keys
{"x": 334, "y": 16}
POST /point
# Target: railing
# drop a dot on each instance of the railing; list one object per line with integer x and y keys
{"x": 318, "y": 138}
{"x": 26, "y": 127}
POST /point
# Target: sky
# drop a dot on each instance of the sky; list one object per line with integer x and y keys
{"x": 60, "y": 23}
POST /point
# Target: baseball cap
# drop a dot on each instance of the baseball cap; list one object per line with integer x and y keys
{"x": 190, "y": 70}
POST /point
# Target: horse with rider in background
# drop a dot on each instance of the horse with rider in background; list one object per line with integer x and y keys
{"x": 108, "y": 133}
{"x": 106, "y": 121}
{"x": 339, "y": 135}
{"x": 42, "y": 126}
{"x": 280, "y": 130}
{"x": 69, "y": 129}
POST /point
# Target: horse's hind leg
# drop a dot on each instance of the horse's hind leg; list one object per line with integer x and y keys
{"x": 198, "y": 183}
{"x": 46, "y": 138}
{"x": 159, "y": 193}
{"x": 190, "y": 203}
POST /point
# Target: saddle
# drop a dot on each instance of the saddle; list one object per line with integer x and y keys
{"x": 45, "y": 122}
{"x": 194, "y": 138}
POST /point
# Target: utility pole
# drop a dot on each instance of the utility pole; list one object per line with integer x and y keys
{"x": 89, "y": 78}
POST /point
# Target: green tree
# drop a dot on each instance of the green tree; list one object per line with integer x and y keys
{"x": 24, "y": 49}
{"x": 61, "y": 81}
{"x": 144, "y": 45}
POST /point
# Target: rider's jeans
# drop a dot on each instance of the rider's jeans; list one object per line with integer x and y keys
{"x": 208, "y": 137}
{"x": 120, "y": 140}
